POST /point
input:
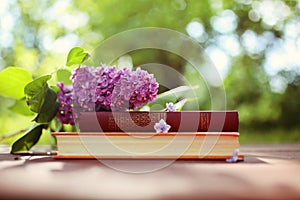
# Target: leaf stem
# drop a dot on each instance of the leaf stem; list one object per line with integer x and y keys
{"x": 11, "y": 134}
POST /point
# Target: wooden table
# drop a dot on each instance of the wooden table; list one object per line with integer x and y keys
{"x": 268, "y": 172}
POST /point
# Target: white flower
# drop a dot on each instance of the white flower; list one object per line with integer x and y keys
{"x": 234, "y": 158}
{"x": 162, "y": 127}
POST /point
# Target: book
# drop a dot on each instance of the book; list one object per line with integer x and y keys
{"x": 184, "y": 121}
{"x": 146, "y": 145}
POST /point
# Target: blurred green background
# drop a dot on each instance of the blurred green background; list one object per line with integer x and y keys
{"x": 255, "y": 46}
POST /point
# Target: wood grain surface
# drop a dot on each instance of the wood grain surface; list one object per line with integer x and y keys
{"x": 268, "y": 172}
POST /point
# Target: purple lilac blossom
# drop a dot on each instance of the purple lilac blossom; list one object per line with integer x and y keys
{"x": 170, "y": 107}
{"x": 64, "y": 97}
{"x": 107, "y": 78}
{"x": 162, "y": 127}
{"x": 84, "y": 87}
{"x": 106, "y": 88}
{"x": 134, "y": 89}
{"x": 93, "y": 87}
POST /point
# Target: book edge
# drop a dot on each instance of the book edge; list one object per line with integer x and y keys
{"x": 236, "y": 134}
{"x": 241, "y": 157}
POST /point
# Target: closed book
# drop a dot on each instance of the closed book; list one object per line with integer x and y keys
{"x": 146, "y": 145}
{"x": 184, "y": 121}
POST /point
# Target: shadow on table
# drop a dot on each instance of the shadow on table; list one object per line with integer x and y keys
{"x": 124, "y": 165}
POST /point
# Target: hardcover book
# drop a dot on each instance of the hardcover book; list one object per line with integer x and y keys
{"x": 146, "y": 145}
{"x": 184, "y": 121}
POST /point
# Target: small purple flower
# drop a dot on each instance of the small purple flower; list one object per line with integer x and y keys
{"x": 234, "y": 158}
{"x": 162, "y": 127}
{"x": 64, "y": 97}
{"x": 170, "y": 107}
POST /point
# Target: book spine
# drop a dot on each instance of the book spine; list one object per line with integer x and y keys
{"x": 214, "y": 121}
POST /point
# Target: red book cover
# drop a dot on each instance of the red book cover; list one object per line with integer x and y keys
{"x": 184, "y": 121}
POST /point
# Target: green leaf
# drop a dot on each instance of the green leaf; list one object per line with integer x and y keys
{"x": 29, "y": 139}
{"x": 171, "y": 96}
{"x": 76, "y": 56}
{"x": 55, "y": 125}
{"x": 49, "y": 108}
{"x": 63, "y": 75}
{"x": 55, "y": 88}
{"x": 21, "y": 107}
{"x": 180, "y": 104}
{"x": 42, "y": 99}
{"x": 47, "y": 116}
{"x": 36, "y": 92}
{"x": 12, "y": 82}
{"x": 49, "y": 100}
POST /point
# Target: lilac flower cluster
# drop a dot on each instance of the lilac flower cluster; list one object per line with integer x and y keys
{"x": 93, "y": 87}
{"x": 84, "y": 87}
{"x": 134, "y": 89}
{"x": 105, "y": 88}
{"x": 107, "y": 78}
{"x": 64, "y": 97}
